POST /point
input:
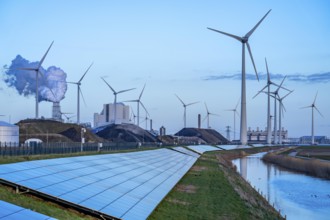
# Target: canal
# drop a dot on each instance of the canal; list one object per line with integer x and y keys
{"x": 297, "y": 196}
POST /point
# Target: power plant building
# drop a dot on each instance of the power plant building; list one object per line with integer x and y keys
{"x": 9, "y": 135}
{"x": 261, "y": 135}
{"x": 107, "y": 115}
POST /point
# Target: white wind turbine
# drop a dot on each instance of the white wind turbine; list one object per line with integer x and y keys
{"x": 115, "y": 101}
{"x": 234, "y": 110}
{"x": 79, "y": 93}
{"x": 147, "y": 115}
{"x": 138, "y": 101}
{"x": 37, "y": 71}
{"x": 269, "y": 83}
{"x": 276, "y": 96}
{"x": 208, "y": 116}
{"x": 281, "y": 108}
{"x": 185, "y": 109}
{"x": 313, "y": 106}
{"x": 244, "y": 41}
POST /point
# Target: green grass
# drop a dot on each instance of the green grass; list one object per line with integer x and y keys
{"x": 213, "y": 196}
{"x": 38, "y": 205}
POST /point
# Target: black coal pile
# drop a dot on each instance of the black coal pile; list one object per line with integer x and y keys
{"x": 125, "y": 133}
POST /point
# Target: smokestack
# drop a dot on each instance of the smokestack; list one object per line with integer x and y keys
{"x": 56, "y": 114}
{"x": 150, "y": 124}
{"x": 199, "y": 121}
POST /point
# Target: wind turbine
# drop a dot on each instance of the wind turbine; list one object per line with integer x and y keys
{"x": 138, "y": 101}
{"x": 275, "y": 95}
{"x": 208, "y": 116}
{"x": 244, "y": 41}
{"x": 79, "y": 92}
{"x": 185, "y": 108}
{"x": 281, "y": 108}
{"x": 115, "y": 94}
{"x": 147, "y": 115}
{"x": 235, "y": 113}
{"x": 313, "y": 106}
{"x": 37, "y": 71}
{"x": 269, "y": 83}
{"x": 133, "y": 115}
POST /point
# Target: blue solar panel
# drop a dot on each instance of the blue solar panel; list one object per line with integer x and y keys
{"x": 186, "y": 151}
{"x": 203, "y": 148}
{"x": 125, "y": 185}
{"x": 13, "y": 212}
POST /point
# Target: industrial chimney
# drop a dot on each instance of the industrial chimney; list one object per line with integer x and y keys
{"x": 56, "y": 114}
{"x": 199, "y": 121}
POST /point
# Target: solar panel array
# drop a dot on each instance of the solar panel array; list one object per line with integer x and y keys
{"x": 202, "y": 148}
{"x": 125, "y": 185}
{"x": 14, "y": 212}
{"x": 186, "y": 151}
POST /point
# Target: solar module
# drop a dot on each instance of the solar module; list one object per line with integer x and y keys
{"x": 10, "y": 211}
{"x": 186, "y": 151}
{"x": 202, "y": 148}
{"x": 124, "y": 185}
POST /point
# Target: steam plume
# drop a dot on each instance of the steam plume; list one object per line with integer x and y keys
{"x": 52, "y": 82}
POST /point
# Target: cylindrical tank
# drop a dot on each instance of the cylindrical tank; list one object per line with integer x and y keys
{"x": 9, "y": 134}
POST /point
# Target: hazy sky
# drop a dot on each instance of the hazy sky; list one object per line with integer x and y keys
{"x": 166, "y": 45}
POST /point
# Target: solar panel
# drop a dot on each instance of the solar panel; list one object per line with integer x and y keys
{"x": 186, "y": 151}
{"x": 124, "y": 185}
{"x": 13, "y": 212}
{"x": 202, "y": 148}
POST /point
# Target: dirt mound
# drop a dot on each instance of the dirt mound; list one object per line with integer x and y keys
{"x": 125, "y": 133}
{"x": 54, "y": 131}
{"x": 210, "y": 136}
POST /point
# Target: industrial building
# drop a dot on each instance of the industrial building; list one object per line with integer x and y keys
{"x": 261, "y": 135}
{"x": 107, "y": 115}
{"x": 9, "y": 135}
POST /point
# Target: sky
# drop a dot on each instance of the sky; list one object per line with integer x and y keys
{"x": 166, "y": 44}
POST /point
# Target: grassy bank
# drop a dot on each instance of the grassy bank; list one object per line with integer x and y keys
{"x": 213, "y": 190}
{"x": 311, "y": 166}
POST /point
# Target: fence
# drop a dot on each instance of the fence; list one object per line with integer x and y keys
{"x": 68, "y": 148}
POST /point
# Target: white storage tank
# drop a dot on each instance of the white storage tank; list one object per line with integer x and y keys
{"x": 9, "y": 135}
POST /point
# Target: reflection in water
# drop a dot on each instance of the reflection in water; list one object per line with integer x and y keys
{"x": 296, "y": 195}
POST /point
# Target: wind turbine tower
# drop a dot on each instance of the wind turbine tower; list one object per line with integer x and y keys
{"x": 244, "y": 41}
{"x": 37, "y": 70}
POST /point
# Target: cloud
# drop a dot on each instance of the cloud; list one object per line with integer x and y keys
{"x": 311, "y": 78}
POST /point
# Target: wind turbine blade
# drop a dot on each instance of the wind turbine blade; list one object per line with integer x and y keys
{"x": 108, "y": 85}
{"x": 315, "y": 97}
{"x": 286, "y": 95}
{"x": 214, "y": 114}
{"x": 82, "y": 96}
{"x": 43, "y": 58}
{"x": 310, "y": 106}
{"x": 131, "y": 101}
{"x": 237, "y": 104}
{"x": 207, "y": 110}
{"x": 27, "y": 68}
{"x": 144, "y": 108}
{"x": 280, "y": 85}
{"x": 52, "y": 92}
{"x": 180, "y": 100}
{"x": 255, "y": 27}
{"x": 85, "y": 73}
{"x": 72, "y": 83}
{"x": 254, "y": 66}
{"x": 142, "y": 91}
{"x": 318, "y": 111}
{"x": 192, "y": 103}
{"x": 126, "y": 90}
{"x": 204, "y": 118}
{"x": 268, "y": 76}
{"x": 260, "y": 91}
{"x": 230, "y": 35}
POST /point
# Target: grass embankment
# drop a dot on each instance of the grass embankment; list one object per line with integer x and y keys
{"x": 310, "y": 166}
{"x": 212, "y": 189}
